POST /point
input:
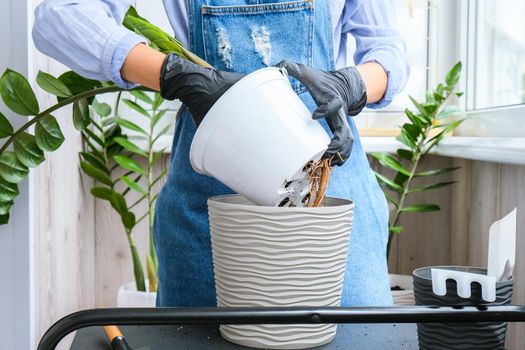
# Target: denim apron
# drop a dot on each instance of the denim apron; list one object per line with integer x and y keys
{"x": 242, "y": 36}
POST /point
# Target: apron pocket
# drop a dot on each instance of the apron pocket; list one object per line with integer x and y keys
{"x": 244, "y": 38}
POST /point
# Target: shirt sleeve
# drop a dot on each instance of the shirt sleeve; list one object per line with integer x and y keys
{"x": 370, "y": 23}
{"x": 87, "y": 36}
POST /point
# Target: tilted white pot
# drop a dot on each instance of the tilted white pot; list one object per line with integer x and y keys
{"x": 128, "y": 296}
{"x": 274, "y": 256}
{"x": 257, "y": 138}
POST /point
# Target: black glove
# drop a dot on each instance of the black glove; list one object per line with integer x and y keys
{"x": 195, "y": 86}
{"x": 337, "y": 94}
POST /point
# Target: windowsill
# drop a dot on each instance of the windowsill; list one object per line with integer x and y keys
{"x": 490, "y": 149}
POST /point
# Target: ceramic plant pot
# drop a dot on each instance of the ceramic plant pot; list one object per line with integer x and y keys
{"x": 128, "y": 296}
{"x": 262, "y": 116}
{"x": 402, "y": 290}
{"x": 480, "y": 335}
{"x": 271, "y": 256}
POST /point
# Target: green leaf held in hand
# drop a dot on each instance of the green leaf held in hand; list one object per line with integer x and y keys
{"x": 52, "y": 85}
{"x": 48, "y": 135}
{"x": 11, "y": 169}
{"x": 17, "y": 93}
{"x": 27, "y": 150}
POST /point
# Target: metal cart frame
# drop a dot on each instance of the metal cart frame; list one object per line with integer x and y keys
{"x": 281, "y": 315}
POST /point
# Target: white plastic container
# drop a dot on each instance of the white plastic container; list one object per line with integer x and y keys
{"x": 128, "y": 296}
{"x": 270, "y": 256}
{"x": 258, "y": 137}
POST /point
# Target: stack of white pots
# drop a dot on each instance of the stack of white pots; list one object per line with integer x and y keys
{"x": 270, "y": 256}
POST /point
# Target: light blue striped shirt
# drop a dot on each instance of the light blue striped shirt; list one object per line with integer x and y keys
{"x": 88, "y": 36}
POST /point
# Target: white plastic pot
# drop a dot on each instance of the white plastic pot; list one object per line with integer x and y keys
{"x": 128, "y": 296}
{"x": 271, "y": 256}
{"x": 257, "y": 138}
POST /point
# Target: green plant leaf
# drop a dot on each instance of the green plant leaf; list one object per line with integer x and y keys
{"x": 421, "y": 208}
{"x": 102, "y": 192}
{"x": 436, "y": 171}
{"x": 391, "y": 199}
{"x": 413, "y": 130}
{"x": 450, "y": 111}
{"x": 6, "y": 129}
{"x": 157, "y": 117}
{"x": 406, "y": 140}
{"x": 101, "y": 108}
{"x": 131, "y": 126}
{"x": 8, "y": 190}
{"x": 130, "y": 146}
{"x": 400, "y": 179}
{"x": 459, "y": 93}
{"x": 128, "y": 220}
{"x": 162, "y": 132}
{"x": 11, "y": 169}
{"x": 129, "y": 164}
{"x": 391, "y": 184}
{"x": 420, "y": 108}
{"x": 4, "y": 219}
{"x": 118, "y": 202}
{"x": 142, "y": 96}
{"x": 27, "y": 150}
{"x": 48, "y": 135}
{"x": 5, "y": 207}
{"x": 17, "y": 93}
{"x": 52, "y": 85}
{"x": 133, "y": 185}
{"x": 77, "y": 83}
{"x": 453, "y": 75}
{"x": 95, "y": 173}
{"x": 388, "y": 161}
{"x": 158, "y": 101}
{"x": 156, "y": 157}
{"x": 136, "y": 107}
{"x": 95, "y": 160}
{"x": 92, "y": 136}
{"x": 431, "y": 187}
{"x": 395, "y": 229}
{"x": 415, "y": 119}
{"x": 436, "y": 139}
{"x": 81, "y": 114}
{"x": 405, "y": 154}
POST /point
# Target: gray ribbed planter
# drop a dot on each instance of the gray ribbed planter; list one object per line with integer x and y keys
{"x": 271, "y": 256}
{"x": 461, "y": 336}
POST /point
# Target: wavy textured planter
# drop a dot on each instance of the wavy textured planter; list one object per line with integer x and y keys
{"x": 479, "y": 336}
{"x": 271, "y": 256}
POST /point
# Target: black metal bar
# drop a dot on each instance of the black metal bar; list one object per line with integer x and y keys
{"x": 283, "y": 315}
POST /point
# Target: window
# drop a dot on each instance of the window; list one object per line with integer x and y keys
{"x": 498, "y": 59}
{"x": 411, "y": 19}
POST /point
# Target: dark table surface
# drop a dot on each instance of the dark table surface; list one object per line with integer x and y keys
{"x": 349, "y": 336}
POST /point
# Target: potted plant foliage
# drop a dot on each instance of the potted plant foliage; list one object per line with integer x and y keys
{"x": 428, "y": 124}
{"x": 117, "y": 164}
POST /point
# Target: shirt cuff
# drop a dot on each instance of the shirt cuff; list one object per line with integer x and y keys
{"x": 117, "y": 49}
{"x": 397, "y": 71}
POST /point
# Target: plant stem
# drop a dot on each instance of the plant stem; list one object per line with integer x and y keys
{"x": 152, "y": 252}
{"x": 138, "y": 271}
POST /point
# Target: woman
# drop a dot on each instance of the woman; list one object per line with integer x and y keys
{"x": 240, "y": 36}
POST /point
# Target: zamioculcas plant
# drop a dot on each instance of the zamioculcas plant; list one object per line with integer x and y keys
{"x": 123, "y": 170}
{"x": 426, "y": 128}
{"x": 22, "y": 150}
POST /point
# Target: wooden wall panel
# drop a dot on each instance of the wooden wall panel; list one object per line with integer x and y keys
{"x": 63, "y": 222}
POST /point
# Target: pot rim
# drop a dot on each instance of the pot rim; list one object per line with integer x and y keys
{"x": 228, "y": 202}
{"x": 416, "y": 274}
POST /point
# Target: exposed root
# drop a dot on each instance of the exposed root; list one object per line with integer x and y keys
{"x": 318, "y": 182}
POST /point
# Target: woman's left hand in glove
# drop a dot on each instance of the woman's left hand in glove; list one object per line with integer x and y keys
{"x": 337, "y": 94}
